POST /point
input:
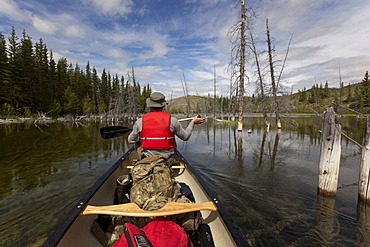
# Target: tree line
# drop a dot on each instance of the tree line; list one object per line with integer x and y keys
{"x": 353, "y": 97}
{"x": 32, "y": 82}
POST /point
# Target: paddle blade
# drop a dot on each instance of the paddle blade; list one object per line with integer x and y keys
{"x": 113, "y": 131}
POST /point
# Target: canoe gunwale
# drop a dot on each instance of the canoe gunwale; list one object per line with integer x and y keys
{"x": 224, "y": 214}
{"x": 62, "y": 228}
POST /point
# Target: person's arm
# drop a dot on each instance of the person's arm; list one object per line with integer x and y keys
{"x": 136, "y": 129}
{"x": 180, "y": 132}
{"x": 184, "y": 134}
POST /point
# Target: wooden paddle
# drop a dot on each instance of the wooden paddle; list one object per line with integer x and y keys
{"x": 113, "y": 131}
{"x": 133, "y": 210}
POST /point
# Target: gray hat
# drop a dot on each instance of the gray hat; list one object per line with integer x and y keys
{"x": 156, "y": 99}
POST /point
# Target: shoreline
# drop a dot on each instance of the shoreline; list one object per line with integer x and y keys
{"x": 112, "y": 119}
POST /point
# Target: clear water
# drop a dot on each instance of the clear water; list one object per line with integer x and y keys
{"x": 269, "y": 183}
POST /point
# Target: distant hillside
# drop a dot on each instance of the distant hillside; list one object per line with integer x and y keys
{"x": 198, "y": 104}
{"x": 347, "y": 100}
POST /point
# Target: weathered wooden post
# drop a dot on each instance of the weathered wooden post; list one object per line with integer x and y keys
{"x": 330, "y": 154}
{"x": 364, "y": 179}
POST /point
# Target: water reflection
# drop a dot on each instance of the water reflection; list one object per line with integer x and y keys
{"x": 270, "y": 187}
{"x": 363, "y": 224}
{"x": 44, "y": 170}
{"x": 328, "y": 226}
{"x": 268, "y": 180}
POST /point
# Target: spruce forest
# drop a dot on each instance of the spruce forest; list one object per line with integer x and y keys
{"x": 32, "y": 82}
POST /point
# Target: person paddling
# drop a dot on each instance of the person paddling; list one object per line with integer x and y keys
{"x": 156, "y": 130}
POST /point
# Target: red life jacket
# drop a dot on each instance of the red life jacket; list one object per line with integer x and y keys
{"x": 156, "y": 132}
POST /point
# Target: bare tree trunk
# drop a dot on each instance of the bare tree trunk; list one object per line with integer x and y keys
{"x": 132, "y": 100}
{"x": 185, "y": 88}
{"x": 364, "y": 177}
{"x": 273, "y": 84}
{"x": 242, "y": 65}
{"x": 214, "y": 91}
{"x": 260, "y": 78}
{"x": 285, "y": 58}
{"x": 340, "y": 93}
{"x": 329, "y": 154}
{"x": 169, "y": 106}
{"x": 135, "y": 93}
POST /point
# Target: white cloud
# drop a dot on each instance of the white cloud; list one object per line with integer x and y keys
{"x": 111, "y": 7}
{"x": 74, "y": 31}
{"x": 11, "y": 10}
{"x": 116, "y": 53}
{"x": 43, "y": 26}
{"x": 157, "y": 48}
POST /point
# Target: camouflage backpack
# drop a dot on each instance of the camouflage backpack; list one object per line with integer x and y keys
{"x": 153, "y": 183}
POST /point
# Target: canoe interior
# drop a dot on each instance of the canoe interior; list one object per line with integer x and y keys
{"x": 79, "y": 233}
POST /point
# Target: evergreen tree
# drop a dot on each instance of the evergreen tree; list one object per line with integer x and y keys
{"x": 14, "y": 69}
{"x": 365, "y": 92}
{"x": 41, "y": 88}
{"x": 349, "y": 93}
{"x": 104, "y": 91}
{"x": 326, "y": 90}
{"x": 4, "y": 73}
{"x": 62, "y": 80}
{"x": 87, "y": 105}
{"x": 71, "y": 102}
{"x": 88, "y": 83}
{"x": 144, "y": 95}
{"x": 96, "y": 91}
{"x": 52, "y": 76}
{"x": 79, "y": 83}
{"x": 26, "y": 72}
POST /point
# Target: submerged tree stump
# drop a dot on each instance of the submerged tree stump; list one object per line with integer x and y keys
{"x": 364, "y": 179}
{"x": 330, "y": 154}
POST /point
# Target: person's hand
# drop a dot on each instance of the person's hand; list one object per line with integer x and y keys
{"x": 198, "y": 120}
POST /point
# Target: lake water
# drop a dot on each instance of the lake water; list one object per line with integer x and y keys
{"x": 269, "y": 185}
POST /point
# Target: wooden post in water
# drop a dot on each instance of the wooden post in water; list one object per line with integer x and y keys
{"x": 330, "y": 154}
{"x": 364, "y": 179}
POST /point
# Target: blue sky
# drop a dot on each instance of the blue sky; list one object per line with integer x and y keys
{"x": 164, "y": 40}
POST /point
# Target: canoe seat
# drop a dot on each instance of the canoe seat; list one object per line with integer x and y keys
{"x": 133, "y": 210}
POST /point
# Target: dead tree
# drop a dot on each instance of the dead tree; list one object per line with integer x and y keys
{"x": 132, "y": 95}
{"x": 186, "y": 94}
{"x": 237, "y": 62}
{"x": 242, "y": 65}
{"x": 260, "y": 77}
{"x": 273, "y": 83}
{"x": 364, "y": 177}
{"x": 214, "y": 91}
{"x": 330, "y": 154}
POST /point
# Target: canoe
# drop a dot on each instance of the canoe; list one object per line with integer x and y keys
{"x": 76, "y": 228}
